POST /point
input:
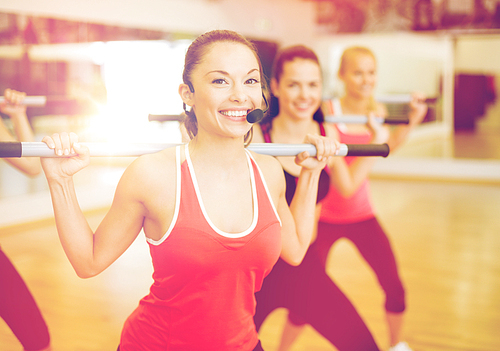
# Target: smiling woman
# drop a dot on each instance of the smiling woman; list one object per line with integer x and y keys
{"x": 220, "y": 82}
{"x": 209, "y": 256}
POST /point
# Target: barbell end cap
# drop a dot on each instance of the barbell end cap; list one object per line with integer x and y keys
{"x": 397, "y": 120}
{"x": 386, "y": 150}
{"x": 11, "y": 149}
{"x": 363, "y": 150}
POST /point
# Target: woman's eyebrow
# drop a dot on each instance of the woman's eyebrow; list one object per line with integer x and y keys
{"x": 226, "y": 73}
{"x": 217, "y": 71}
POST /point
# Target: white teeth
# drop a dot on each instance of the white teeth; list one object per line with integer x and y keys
{"x": 303, "y": 106}
{"x": 234, "y": 113}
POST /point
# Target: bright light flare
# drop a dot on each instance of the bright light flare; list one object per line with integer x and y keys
{"x": 141, "y": 78}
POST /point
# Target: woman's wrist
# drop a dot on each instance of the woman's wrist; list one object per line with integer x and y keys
{"x": 59, "y": 181}
{"x": 19, "y": 114}
{"x": 380, "y": 138}
{"x": 376, "y": 140}
{"x": 310, "y": 174}
{"x": 18, "y": 117}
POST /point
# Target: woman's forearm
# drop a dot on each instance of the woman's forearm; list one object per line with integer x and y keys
{"x": 417, "y": 113}
{"x": 347, "y": 179}
{"x": 22, "y": 127}
{"x": 398, "y": 135}
{"x": 75, "y": 234}
{"x": 303, "y": 209}
{"x": 28, "y": 165}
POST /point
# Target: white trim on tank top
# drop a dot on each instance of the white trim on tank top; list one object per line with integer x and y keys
{"x": 177, "y": 199}
{"x": 265, "y": 187}
{"x": 202, "y": 206}
{"x": 337, "y": 111}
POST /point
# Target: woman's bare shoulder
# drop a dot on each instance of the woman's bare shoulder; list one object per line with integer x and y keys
{"x": 381, "y": 110}
{"x": 148, "y": 172}
{"x": 271, "y": 170}
{"x": 152, "y": 163}
{"x": 331, "y": 131}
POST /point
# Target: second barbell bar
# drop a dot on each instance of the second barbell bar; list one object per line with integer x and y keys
{"x": 31, "y": 100}
{"x": 362, "y": 119}
{"x": 347, "y": 119}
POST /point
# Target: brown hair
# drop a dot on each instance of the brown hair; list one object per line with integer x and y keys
{"x": 289, "y": 54}
{"x": 348, "y": 55}
{"x": 285, "y": 55}
{"x": 194, "y": 55}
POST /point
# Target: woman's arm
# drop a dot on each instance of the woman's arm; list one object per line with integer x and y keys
{"x": 418, "y": 110}
{"x": 347, "y": 178}
{"x": 299, "y": 219}
{"x": 17, "y": 112}
{"x": 90, "y": 253}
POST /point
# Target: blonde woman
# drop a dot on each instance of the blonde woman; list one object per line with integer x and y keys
{"x": 347, "y": 211}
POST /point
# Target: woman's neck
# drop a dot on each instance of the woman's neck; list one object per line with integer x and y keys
{"x": 355, "y": 105}
{"x": 292, "y": 130}
{"x": 214, "y": 150}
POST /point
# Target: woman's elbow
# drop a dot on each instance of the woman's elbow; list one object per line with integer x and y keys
{"x": 346, "y": 192}
{"x": 295, "y": 262}
{"x": 34, "y": 171}
{"x": 345, "y": 188}
{"x": 28, "y": 168}
{"x": 32, "y": 168}
{"x": 295, "y": 259}
{"x": 86, "y": 272}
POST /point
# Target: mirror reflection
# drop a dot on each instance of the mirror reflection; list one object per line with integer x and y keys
{"x": 104, "y": 81}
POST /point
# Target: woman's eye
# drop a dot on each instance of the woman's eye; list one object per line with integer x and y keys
{"x": 253, "y": 81}
{"x": 219, "y": 81}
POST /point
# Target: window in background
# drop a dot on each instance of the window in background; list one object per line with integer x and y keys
{"x": 141, "y": 78}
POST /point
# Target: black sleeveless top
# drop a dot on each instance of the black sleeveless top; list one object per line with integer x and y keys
{"x": 291, "y": 181}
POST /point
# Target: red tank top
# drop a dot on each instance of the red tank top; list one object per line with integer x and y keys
{"x": 202, "y": 297}
{"x": 336, "y": 208}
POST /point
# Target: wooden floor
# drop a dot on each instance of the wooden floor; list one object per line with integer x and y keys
{"x": 447, "y": 240}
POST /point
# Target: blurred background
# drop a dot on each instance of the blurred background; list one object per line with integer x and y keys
{"x": 105, "y": 65}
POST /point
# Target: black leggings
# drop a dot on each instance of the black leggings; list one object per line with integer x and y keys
{"x": 374, "y": 246}
{"x": 311, "y": 295}
{"x": 19, "y": 310}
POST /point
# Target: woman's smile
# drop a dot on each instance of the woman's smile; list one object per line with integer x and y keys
{"x": 235, "y": 114}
